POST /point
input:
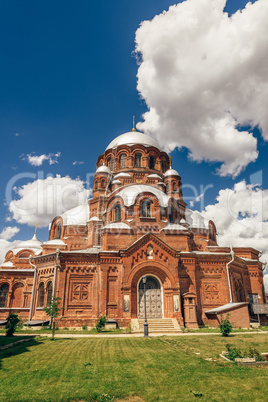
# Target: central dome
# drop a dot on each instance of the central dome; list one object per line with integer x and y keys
{"x": 132, "y": 138}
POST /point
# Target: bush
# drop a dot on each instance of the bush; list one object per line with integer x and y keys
{"x": 84, "y": 327}
{"x": 12, "y": 324}
{"x": 233, "y": 352}
{"x": 225, "y": 326}
{"x": 252, "y": 352}
{"x": 101, "y": 323}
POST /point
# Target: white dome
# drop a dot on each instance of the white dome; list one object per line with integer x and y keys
{"x": 76, "y": 216}
{"x": 34, "y": 244}
{"x": 171, "y": 172}
{"x": 130, "y": 193}
{"x": 132, "y": 138}
{"x": 103, "y": 169}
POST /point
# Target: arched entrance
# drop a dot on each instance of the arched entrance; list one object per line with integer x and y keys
{"x": 154, "y": 304}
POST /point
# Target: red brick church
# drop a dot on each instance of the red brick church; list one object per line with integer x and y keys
{"x": 135, "y": 225}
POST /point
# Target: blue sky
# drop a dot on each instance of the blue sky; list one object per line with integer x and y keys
{"x": 69, "y": 85}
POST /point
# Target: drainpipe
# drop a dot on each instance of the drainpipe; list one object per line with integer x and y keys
{"x": 54, "y": 280}
{"x": 55, "y": 271}
{"x": 228, "y": 273}
{"x": 33, "y": 290}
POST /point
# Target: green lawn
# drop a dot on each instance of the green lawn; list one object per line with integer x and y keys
{"x": 5, "y": 340}
{"x": 154, "y": 369}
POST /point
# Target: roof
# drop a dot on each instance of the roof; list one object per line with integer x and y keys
{"x": 225, "y": 307}
{"x": 7, "y": 264}
{"x": 130, "y": 193}
{"x": 154, "y": 176}
{"x": 55, "y": 242}
{"x": 33, "y": 244}
{"x": 76, "y": 216}
{"x": 171, "y": 172}
{"x": 132, "y": 138}
{"x": 195, "y": 219}
{"x": 174, "y": 226}
{"x": 122, "y": 174}
{"x": 103, "y": 169}
{"x": 117, "y": 225}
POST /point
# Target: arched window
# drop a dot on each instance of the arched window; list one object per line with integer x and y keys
{"x": 138, "y": 160}
{"x": 17, "y": 295}
{"x": 174, "y": 186}
{"x": 167, "y": 187}
{"x": 3, "y": 295}
{"x": 103, "y": 183}
{"x": 58, "y": 231}
{"x": 111, "y": 163}
{"x": 117, "y": 212}
{"x": 49, "y": 292}
{"x": 123, "y": 161}
{"x": 41, "y": 295}
{"x": 146, "y": 209}
{"x": 171, "y": 214}
{"x": 96, "y": 185}
{"x": 163, "y": 166}
{"x": 152, "y": 162}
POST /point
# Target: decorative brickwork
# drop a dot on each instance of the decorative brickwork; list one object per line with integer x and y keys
{"x": 136, "y": 224}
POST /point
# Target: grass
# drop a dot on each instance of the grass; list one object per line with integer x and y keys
{"x": 6, "y": 340}
{"x": 154, "y": 369}
{"x": 65, "y": 331}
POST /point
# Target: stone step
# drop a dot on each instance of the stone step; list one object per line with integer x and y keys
{"x": 156, "y": 325}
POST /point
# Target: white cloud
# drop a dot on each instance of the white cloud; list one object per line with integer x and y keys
{"x": 42, "y": 200}
{"x": 5, "y": 246}
{"x": 204, "y": 74}
{"x": 9, "y": 232}
{"x": 36, "y": 160}
{"x": 197, "y": 199}
{"x": 78, "y": 162}
{"x": 241, "y": 217}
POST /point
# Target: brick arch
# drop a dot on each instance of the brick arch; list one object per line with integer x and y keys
{"x": 17, "y": 295}
{"x": 151, "y": 267}
{"x": 166, "y": 279}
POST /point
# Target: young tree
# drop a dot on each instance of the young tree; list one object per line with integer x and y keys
{"x": 225, "y": 326}
{"x": 12, "y": 323}
{"x": 53, "y": 311}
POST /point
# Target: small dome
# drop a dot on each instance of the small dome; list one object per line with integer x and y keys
{"x": 103, "y": 169}
{"x": 34, "y": 244}
{"x": 132, "y": 138}
{"x": 171, "y": 172}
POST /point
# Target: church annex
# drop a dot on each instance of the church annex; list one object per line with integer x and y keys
{"x": 136, "y": 224}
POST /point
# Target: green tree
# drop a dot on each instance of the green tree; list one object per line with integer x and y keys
{"x": 225, "y": 326}
{"x": 12, "y": 324}
{"x": 53, "y": 311}
{"x": 101, "y": 323}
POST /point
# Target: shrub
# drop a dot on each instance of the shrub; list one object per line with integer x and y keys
{"x": 12, "y": 324}
{"x": 84, "y": 327}
{"x": 101, "y": 323}
{"x": 225, "y": 326}
{"x": 252, "y": 352}
{"x": 233, "y": 352}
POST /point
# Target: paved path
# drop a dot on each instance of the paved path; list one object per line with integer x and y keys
{"x": 140, "y": 335}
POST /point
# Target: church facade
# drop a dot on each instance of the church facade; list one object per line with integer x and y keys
{"x": 135, "y": 226}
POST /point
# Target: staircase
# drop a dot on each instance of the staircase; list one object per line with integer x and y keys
{"x": 155, "y": 325}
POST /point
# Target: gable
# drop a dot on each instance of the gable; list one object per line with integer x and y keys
{"x": 149, "y": 240}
